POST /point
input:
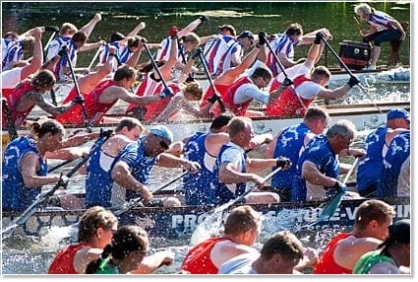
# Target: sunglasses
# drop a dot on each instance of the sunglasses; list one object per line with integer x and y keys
{"x": 162, "y": 143}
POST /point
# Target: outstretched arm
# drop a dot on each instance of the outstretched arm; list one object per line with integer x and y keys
{"x": 88, "y": 28}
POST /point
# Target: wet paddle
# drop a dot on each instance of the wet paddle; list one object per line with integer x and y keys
{"x": 329, "y": 208}
{"x": 11, "y": 128}
{"x": 215, "y": 219}
{"x": 350, "y": 73}
{"x": 284, "y": 73}
{"x": 77, "y": 87}
{"x": 96, "y": 55}
{"x": 135, "y": 202}
{"x": 212, "y": 85}
{"x": 20, "y": 220}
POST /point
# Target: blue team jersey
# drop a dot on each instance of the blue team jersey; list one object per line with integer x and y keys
{"x": 289, "y": 144}
{"x": 319, "y": 152}
{"x": 370, "y": 165}
{"x": 15, "y": 195}
{"x": 98, "y": 179}
{"x": 226, "y": 193}
{"x": 197, "y": 188}
{"x": 398, "y": 152}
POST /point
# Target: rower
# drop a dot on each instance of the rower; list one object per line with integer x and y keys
{"x": 152, "y": 85}
{"x": 383, "y": 28}
{"x": 377, "y": 144}
{"x": 294, "y": 101}
{"x": 241, "y": 229}
{"x": 25, "y": 167}
{"x": 30, "y": 93}
{"x": 227, "y": 78}
{"x": 394, "y": 178}
{"x": 233, "y": 168}
{"x": 371, "y": 222}
{"x": 104, "y": 96}
{"x": 246, "y": 89}
{"x": 98, "y": 179}
{"x": 280, "y": 254}
{"x": 15, "y": 53}
{"x": 232, "y": 57}
{"x": 131, "y": 168}
{"x": 215, "y": 48}
{"x": 318, "y": 166}
{"x": 284, "y": 44}
{"x": 11, "y": 78}
{"x": 290, "y": 143}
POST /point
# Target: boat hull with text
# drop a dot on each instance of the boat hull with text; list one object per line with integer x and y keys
{"x": 179, "y": 223}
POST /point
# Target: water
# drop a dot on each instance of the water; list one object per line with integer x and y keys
{"x": 33, "y": 255}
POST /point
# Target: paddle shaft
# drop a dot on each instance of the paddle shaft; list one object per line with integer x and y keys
{"x": 11, "y": 128}
{"x": 60, "y": 165}
{"x": 133, "y": 202}
{"x": 205, "y": 67}
{"x": 285, "y": 74}
{"x": 50, "y": 40}
{"x": 358, "y": 25}
{"x": 95, "y": 57}
{"x": 350, "y": 172}
{"x": 154, "y": 65}
{"x": 350, "y": 73}
{"x": 77, "y": 88}
{"x": 53, "y": 97}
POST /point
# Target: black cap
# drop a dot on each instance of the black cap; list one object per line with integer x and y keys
{"x": 246, "y": 33}
{"x": 399, "y": 232}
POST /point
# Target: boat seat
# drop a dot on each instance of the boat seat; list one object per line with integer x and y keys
{"x": 394, "y": 57}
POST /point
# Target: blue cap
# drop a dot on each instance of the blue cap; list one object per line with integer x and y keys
{"x": 398, "y": 113}
{"x": 246, "y": 33}
{"x": 162, "y": 131}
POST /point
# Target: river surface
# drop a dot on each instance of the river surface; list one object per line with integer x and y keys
{"x": 33, "y": 255}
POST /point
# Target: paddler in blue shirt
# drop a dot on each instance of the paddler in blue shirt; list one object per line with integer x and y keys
{"x": 290, "y": 143}
{"x": 131, "y": 168}
{"x": 318, "y": 166}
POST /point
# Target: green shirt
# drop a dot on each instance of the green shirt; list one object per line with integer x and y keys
{"x": 370, "y": 259}
{"x": 106, "y": 267}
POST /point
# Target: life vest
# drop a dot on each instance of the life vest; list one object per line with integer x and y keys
{"x": 94, "y": 109}
{"x": 327, "y": 264}
{"x": 237, "y": 109}
{"x": 288, "y": 104}
{"x": 197, "y": 260}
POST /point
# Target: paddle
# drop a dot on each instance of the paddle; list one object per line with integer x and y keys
{"x": 43, "y": 197}
{"x": 54, "y": 30}
{"x": 215, "y": 219}
{"x": 60, "y": 165}
{"x": 329, "y": 208}
{"x": 218, "y": 97}
{"x": 358, "y": 25}
{"x": 11, "y": 128}
{"x": 134, "y": 202}
{"x": 154, "y": 64}
{"x": 53, "y": 97}
{"x": 77, "y": 87}
{"x": 95, "y": 57}
{"x": 284, "y": 73}
{"x": 350, "y": 73}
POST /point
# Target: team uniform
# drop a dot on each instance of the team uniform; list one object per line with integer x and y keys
{"x": 288, "y": 104}
{"x": 232, "y": 57}
{"x": 326, "y": 263}
{"x": 283, "y": 44}
{"x": 240, "y": 264}
{"x": 370, "y": 166}
{"x": 392, "y": 182}
{"x": 385, "y": 31}
{"x": 12, "y": 98}
{"x": 94, "y": 109}
{"x": 140, "y": 166}
{"x": 370, "y": 259}
{"x": 241, "y": 93}
{"x": 163, "y": 54}
{"x": 229, "y": 153}
{"x": 197, "y": 186}
{"x": 63, "y": 262}
{"x": 15, "y": 195}
{"x": 98, "y": 179}
{"x": 123, "y": 54}
{"x": 219, "y": 48}
{"x": 14, "y": 53}
{"x": 289, "y": 144}
{"x": 53, "y": 49}
{"x": 222, "y": 91}
{"x": 198, "y": 261}
{"x": 319, "y": 152}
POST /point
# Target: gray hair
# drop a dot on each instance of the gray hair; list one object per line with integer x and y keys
{"x": 344, "y": 128}
{"x": 362, "y": 9}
